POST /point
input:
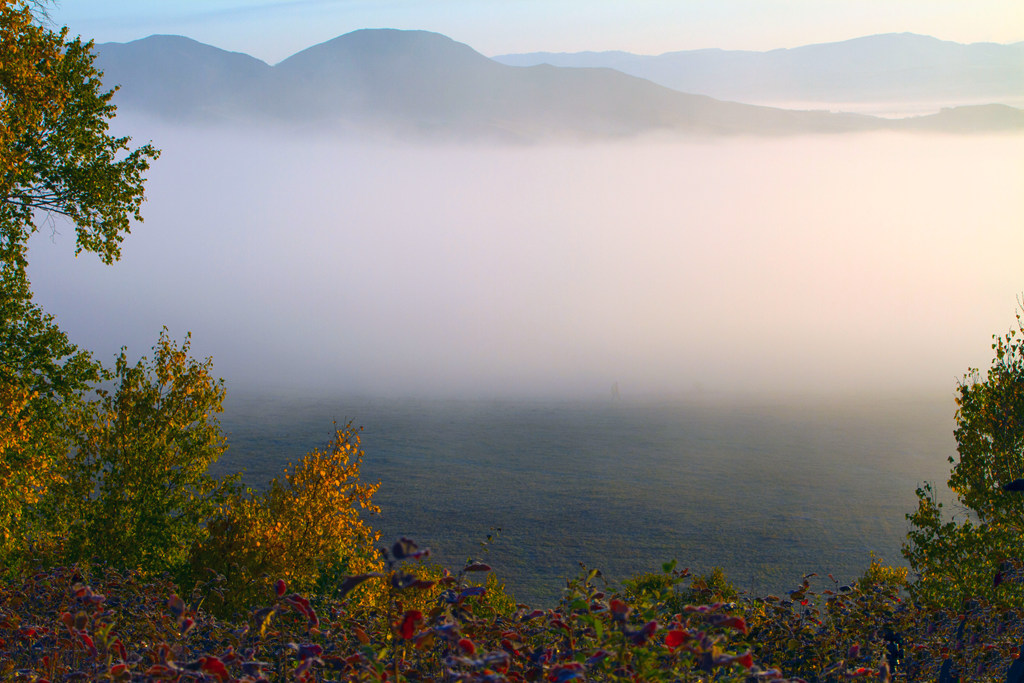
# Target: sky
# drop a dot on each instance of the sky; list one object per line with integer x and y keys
{"x": 275, "y": 29}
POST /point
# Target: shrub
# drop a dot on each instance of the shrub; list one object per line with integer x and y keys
{"x": 711, "y": 587}
{"x": 22, "y": 484}
{"x": 135, "y": 493}
{"x": 958, "y": 560}
{"x": 305, "y": 528}
{"x": 878, "y": 573}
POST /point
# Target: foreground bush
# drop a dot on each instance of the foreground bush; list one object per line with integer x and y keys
{"x": 305, "y": 529}
{"x": 958, "y": 558}
{"x": 63, "y": 624}
{"x": 135, "y": 491}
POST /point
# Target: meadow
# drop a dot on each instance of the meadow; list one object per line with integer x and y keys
{"x": 765, "y": 489}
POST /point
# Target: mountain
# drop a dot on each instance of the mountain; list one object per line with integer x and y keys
{"x": 970, "y": 119}
{"x": 417, "y": 83}
{"x": 892, "y": 67}
{"x": 180, "y": 78}
{"x": 426, "y": 81}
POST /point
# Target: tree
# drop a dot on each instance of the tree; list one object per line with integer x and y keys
{"x": 57, "y": 155}
{"x": 43, "y": 378}
{"x": 960, "y": 559}
{"x": 56, "y": 159}
{"x": 137, "y": 492}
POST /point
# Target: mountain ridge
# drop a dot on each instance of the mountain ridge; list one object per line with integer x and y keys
{"x": 889, "y": 66}
{"x": 421, "y": 83}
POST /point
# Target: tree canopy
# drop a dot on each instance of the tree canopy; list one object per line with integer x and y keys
{"x": 57, "y": 158}
{"x": 56, "y": 153}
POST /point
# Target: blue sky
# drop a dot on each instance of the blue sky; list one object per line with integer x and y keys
{"x": 275, "y": 29}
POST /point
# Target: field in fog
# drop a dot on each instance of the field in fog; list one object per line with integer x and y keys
{"x": 843, "y": 264}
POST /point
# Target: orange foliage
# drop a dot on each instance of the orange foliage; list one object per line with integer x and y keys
{"x": 28, "y": 93}
{"x": 306, "y": 528}
{"x": 20, "y": 484}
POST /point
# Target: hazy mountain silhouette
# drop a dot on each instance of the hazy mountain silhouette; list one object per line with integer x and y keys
{"x": 425, "y": 84}
{"x": 180, "y": 78}
{"x": 969, "y": 119}
{"x": 902, "y": 67}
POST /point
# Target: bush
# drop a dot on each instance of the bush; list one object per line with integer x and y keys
{"x": 305, "y": 529}
{"x": 21, "y": 484}
{"x": 958, "y": 560}
{"x": 135, "y": 493}
{"x": 667, "y": 588}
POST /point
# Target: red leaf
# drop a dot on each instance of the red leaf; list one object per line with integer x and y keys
{"x": 87, "y": 641}
{"x": 675, "y": 638}
{"x": 300, "y": 604}
{"x": 620, "y": 610}
{"x": 409, "y": 622}
{"x": 280, "y": 587}
{"x": 176, "y": 605}
{"x": 467, "y": 646}
{"x": 746, "y": 660}
{"x": 738, "y": 623}
{"x": 309, "y": 650}
{"x": 216, "y": 667}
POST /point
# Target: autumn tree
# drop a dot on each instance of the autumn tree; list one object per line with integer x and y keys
{"x": 56, "y": 154}
{"x": 978, "y": 553}
{"x": 57, "y": 159}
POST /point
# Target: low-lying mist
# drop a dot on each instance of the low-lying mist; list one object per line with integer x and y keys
{"x": 835, "y": 265}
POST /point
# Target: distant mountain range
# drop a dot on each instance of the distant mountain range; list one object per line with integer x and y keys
{"x": 416, "y": 83}
{"x": 894, "y": 67}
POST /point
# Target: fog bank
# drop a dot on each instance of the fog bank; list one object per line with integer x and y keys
{"x": 843, "y": 264}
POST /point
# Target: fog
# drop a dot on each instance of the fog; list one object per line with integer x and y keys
{"x": 824, "y": 265}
